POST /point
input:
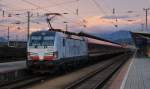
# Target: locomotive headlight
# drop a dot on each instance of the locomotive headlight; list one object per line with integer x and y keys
{"x": 32, "y": 54}
{"x": 50, "y": 53}
{"x": 54, "y": 54}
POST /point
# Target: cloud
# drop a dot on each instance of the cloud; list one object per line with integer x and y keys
{"x": 96, "y": 24}
{"x": 2, "y": 6}
{"x": 97, "y": 21}
{"x": 114, "y": 17}
{"x": 93, "y": 25}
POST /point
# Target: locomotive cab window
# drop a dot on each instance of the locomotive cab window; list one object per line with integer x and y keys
{"x": 48, "y": 41}
{"x": 35, "y": 40}
{"x": 45, "y": 40}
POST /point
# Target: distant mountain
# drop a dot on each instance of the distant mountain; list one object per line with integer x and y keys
{"x": 118, "y": 36}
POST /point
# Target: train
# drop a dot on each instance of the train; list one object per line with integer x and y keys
{"x": 50, "y": 49}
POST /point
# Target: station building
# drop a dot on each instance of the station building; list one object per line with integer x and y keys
{"x": 142, "y": 41}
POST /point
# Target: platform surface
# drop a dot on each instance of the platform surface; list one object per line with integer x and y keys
{"x": 10, "y": 66}
{"x": 138, "y": 75}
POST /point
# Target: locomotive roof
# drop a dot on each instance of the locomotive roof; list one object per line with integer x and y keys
{"x": 141, "y": 33}
{"x": 101, "y": 42}
{"x": 43, "y": 33}
{"x": 74, "y": 35}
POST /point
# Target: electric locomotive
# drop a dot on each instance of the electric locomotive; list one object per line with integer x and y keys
{"x": 51, "y": 48}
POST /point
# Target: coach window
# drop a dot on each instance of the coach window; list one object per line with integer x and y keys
{"x": 64, "y": 42}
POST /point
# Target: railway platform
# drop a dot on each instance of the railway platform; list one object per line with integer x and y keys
{"x": 10, "y": 66}
{"x": 134, "y": 75}
{"x": 12, "y": 70}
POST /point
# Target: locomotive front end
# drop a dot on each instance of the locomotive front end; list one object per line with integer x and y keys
{"x": 41, "y": 49}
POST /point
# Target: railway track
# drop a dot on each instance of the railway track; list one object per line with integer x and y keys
{"x": 5, "y": 60}
{"x": 97, "y": 79}
{"x": 20, "y": 83}
{"x": 29, "y": 80}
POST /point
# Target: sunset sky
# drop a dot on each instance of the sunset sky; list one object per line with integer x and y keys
{"x": 94, "y": 16}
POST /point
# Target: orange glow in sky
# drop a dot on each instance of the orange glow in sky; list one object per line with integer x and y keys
{"x": 80, "y": 13}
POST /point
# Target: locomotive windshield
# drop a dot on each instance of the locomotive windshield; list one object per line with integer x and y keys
{"x": 43, "y": 39}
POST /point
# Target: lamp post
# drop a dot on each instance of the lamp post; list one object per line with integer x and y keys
{"x": 146, "y": 17}
{"x": 66, "y": 25}
{"x": 8, "y": 36}
{"x": 28, "y": 25}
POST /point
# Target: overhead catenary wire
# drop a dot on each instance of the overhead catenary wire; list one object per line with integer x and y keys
{"x": 38, "y": 7}
{"x": 102, "y": 11}
{"x": 29, "y": 2}
{"x": 99, "y": 7}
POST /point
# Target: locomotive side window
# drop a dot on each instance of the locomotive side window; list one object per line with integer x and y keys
{"x": 64, "y": 43}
